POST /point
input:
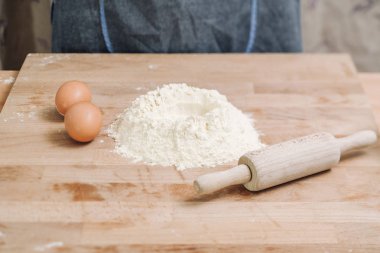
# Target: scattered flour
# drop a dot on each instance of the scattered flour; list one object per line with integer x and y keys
{"x": 32, "y": 114}
{"x": 48, "y": 246}
{"x": 19, "y": 116}
{"x": 52, "y": 59}
{"x": 152, "y": 66}
{"x": 22, "y": 115}
{"x": 9, "y": 80}
{"x": 183, "y": 126}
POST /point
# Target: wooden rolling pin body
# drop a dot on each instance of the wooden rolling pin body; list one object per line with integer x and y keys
{"x": 286, "y": 161}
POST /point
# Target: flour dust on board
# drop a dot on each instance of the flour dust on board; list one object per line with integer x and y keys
{"x": 182, "y": 126}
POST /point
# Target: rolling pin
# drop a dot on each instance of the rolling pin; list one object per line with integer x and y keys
{"x": 284, "y": 162}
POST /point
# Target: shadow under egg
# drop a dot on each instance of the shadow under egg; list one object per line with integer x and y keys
{"x": 51, "y": 114}
{"x": 60, "y": 138}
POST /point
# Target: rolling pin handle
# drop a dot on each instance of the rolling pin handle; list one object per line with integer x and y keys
{"x": 357, "y": 140}
{"x": 208, "y": 183}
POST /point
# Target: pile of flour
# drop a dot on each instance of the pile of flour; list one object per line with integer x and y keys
{"x": 183, "y": 126}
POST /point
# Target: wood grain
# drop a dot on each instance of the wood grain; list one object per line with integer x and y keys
{"x": 7, "y": 78}
{"x": 371, "y": 86}
{"x": 83, "y": 198}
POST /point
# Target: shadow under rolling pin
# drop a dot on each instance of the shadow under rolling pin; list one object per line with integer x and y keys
{"x": 286, "y": 161}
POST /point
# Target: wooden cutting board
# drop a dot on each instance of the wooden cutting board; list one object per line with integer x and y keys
{"x": 60, "y": 196}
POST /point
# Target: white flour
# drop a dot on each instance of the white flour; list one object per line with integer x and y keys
{"x": 9, "y": 80}
{"x": 183, "y": 126}
{"x": 48, "y": 246}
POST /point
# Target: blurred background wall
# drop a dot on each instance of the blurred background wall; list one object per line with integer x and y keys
{"x": 351, "y": 26}
{"x": 24, "y": 28}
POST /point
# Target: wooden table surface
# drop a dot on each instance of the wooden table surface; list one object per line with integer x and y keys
{"x": 57, "y": 196}
{"x": 369, "y": 81}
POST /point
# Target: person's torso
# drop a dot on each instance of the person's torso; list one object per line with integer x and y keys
{"x": 175, "y": 26}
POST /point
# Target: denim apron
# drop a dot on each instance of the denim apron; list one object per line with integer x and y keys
{"x": 176, "y": 26}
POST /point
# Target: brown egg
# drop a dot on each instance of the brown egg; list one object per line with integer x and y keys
{"x": 83, "y": 121}
{"x": 70, "y": 93}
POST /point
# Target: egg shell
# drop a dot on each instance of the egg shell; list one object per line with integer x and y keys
{"x": 70, "y": 93}
{"x": 83, "y": 121}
